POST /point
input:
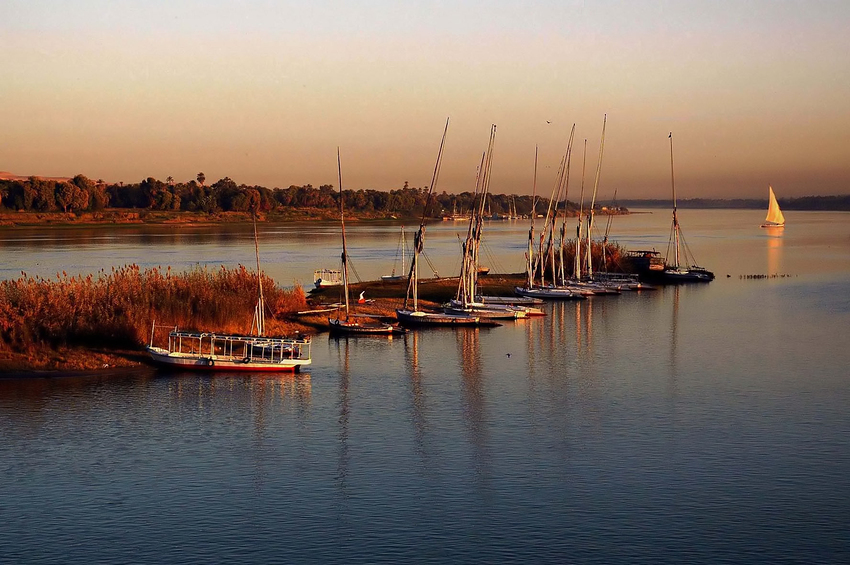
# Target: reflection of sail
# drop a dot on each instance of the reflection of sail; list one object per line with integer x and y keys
{"x": 774, "y": 250}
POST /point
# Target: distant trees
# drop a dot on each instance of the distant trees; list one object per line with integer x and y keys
{"x": 225, "y": 195}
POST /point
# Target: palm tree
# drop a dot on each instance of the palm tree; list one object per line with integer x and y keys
{"x": 201, "y": 178}
{"x": 170, "y": 180}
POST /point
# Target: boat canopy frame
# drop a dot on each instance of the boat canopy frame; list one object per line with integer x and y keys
{"x": 256, "y": 349}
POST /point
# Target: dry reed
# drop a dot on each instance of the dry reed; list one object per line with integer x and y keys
{"x": 115, "y": 310}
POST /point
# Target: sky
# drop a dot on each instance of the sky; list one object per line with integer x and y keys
{"x": 755, "y": 93}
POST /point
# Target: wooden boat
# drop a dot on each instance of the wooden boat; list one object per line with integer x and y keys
{"x": 549, "y": 293}
{"x": 353, "y": 325}
{"x": 414, "y": 316}
{"x": 419, "y": 318}
{"x": 510, "y": 300}
{"x": 775, "y": 218}
{"x": 464, "y": 302}
{"x": 683, "y": 269}
{"x": 209, "y": 351}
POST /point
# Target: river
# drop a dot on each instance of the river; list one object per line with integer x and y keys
{"x": 701, "y": 423}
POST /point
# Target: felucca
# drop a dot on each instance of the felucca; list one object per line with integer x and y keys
{"x": 683, "y": 269}
{"x": 414, "y": 316}
{"x": 353, "y": 324}
{"x": 775, "y": 218}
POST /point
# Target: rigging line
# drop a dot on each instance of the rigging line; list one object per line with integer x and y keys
{"x": 430, "y": 264}
{"x": 418, "y": 243}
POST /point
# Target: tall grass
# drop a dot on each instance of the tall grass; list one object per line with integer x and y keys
{"x": 116, "y": 309}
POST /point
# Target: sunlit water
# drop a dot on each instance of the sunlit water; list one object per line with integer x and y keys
{"x": 702, "y": 423}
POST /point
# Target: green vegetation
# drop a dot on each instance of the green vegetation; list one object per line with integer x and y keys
{"x": 43, "y": 321}
{"x": 82, "y": 195}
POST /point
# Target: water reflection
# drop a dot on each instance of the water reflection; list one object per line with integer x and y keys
{"x": 674, "y": 341}
{"x": 418, "y": 397}
{"x": 343, "y": 416}
{"x": 474, "y": 401}
{"x": 775, "y": 243}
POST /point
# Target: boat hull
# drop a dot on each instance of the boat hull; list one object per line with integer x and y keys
{"x": 552, "y": 293}
{"x": 194, "y": 362}
{"x": 683, "y": 276}
{"x": 416, "y": 318}
{"x": 341, "y": 327}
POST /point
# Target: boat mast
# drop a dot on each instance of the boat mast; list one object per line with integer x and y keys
{"x": 577, "y": 253}
{"x": 419, "y": 237}
{"x": 530, "y": 252}
{"x": 566, "y": 185}
{"x": 604, "y": 254}
{"x": 468, "y": 262}
{"x": 675, "y": 216}
{"x": 593, "y": 200}
{"x": 344, "y": 255}
{"x": 260, "y": 309}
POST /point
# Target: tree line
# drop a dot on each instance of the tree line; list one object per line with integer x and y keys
{"x": 841, "y": 202}
{"x": 81, "y": 194}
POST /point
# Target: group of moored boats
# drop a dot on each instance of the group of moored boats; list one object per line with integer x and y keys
{"x": 546, "y": 280}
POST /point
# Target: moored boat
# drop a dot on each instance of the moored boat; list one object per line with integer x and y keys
{"x": 683, "y": 268}
{"x": 351, "y": 324}
{"x": 327, "y": 277}
{"x": 414, "y": 316}
{"x": 210, "y": 351}
{"x": 231, "y": 352}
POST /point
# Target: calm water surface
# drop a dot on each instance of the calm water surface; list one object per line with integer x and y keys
{"x": 693, "y": 424}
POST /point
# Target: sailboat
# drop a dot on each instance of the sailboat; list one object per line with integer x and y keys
{"x": 683, "y": 269}
{"x": 466, "y": 299}
{"x": 775, "y": 218}
{"x": 414, "y": 316}
{"x": 208, "y": 351}
{"x": 352, "y": 324}
{"x": 400, "y": 275}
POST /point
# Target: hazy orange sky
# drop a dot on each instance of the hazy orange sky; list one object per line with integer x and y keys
{"x": 754, "y": 92}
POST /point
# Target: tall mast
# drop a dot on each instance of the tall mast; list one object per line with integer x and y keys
{"x": 577, "y": 254}
{"x": 675, "y": 216}
{"x": 530, "y": 252}
{"x": 593, "y": 200}
{"x": 260, "y": 310}
{"x": 466, "y": 281}
{"x": 419, "y": 238}
{"x": 342, "y": 223}
{"x": 566, "y": 186}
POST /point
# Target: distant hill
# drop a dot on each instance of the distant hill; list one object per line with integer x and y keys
{"x": 801, "y": 203}
{"x": 6, "y": 175}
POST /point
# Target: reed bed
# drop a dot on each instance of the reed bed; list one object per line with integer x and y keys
{"x": 116, "y": 309}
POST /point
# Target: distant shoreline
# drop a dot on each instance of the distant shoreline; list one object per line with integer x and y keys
{"x": 811, "y": 203}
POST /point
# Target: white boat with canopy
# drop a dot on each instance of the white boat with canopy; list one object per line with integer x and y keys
{"x": 209, "y": 351}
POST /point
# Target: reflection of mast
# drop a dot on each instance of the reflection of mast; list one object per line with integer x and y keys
{"x": 473, "y": 395}
{"x": 342, "y": 463}
{"x": 674, "y": 331}
{"x": 420, "y": 423}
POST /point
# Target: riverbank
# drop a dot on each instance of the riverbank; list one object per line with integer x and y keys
{"x": 46, "y": 331}
{"x": 153, "y": 217}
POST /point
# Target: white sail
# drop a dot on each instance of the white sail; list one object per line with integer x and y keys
{"x": 774, "y": 214}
